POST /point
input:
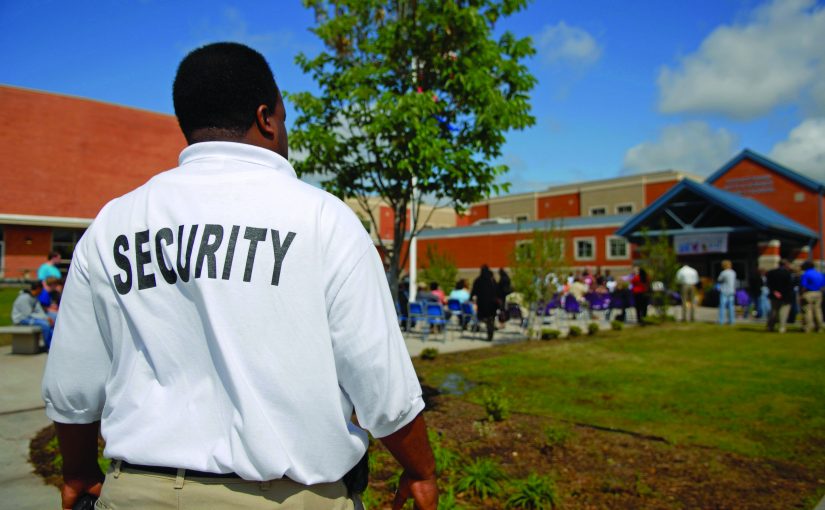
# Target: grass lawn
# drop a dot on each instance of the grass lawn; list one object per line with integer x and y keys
{"x": 7, "y": 297}
{"x": 738, "y": 389}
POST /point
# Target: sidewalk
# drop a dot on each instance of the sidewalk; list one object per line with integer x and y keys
{"x": 21, "y": 416}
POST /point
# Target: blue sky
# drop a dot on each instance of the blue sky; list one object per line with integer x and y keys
{"x": 623, "y": 88}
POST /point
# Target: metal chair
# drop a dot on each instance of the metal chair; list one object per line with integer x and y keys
{"x": 469, "y": 314}
{"x": 436, "y": 321}
{"x": 454, "y": 307}
{"x": 416, "y": 313}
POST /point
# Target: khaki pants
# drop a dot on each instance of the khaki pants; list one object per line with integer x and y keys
{"x": 688, "y": 302}
{"x": 134, "y": 489}
{"x": 812, "y": 308}
{"x": 779, "y": 312}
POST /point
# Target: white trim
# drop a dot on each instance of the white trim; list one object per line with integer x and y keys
{"x": 576, "y": 240}
{"x": 607, "y": 254}
{"x": 590, "y": 210}
{"x": 44, "y": 221}
{"x": 625, "y": 204}
{"x": 511, "y": 232}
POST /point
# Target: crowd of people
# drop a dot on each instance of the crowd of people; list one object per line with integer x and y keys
{"x": 487, "y": 295}
{"x": 38, "y": 304}
{"x": 777, "y": 295}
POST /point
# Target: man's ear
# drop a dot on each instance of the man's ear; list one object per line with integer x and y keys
{"x": 263, "y": 118}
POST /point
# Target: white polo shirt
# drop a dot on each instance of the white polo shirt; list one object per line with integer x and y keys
{"x": 226, "y": 316}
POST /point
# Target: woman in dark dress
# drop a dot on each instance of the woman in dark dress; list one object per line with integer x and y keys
{"x": 640, "y": 286}
{"x": 485, "y": 293}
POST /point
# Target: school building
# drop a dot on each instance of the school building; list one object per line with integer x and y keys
{"x": 64, "y": 157}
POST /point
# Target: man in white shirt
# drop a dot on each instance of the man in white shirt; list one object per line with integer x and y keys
{"x": 687, "y": 278}
{"x": 219, "y": 325}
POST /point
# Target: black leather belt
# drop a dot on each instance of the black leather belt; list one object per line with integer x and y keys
{"x": 174, "y": 471}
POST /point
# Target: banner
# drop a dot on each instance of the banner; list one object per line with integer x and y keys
{"x": 695, "y": 244}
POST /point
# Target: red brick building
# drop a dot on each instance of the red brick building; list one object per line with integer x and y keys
{"x": 62, "y": 159}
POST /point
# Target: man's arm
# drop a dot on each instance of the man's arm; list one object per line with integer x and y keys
{"x": 81, "y": 472}
{"x": 411, "y": 448}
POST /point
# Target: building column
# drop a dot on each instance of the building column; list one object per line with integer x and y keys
{"x": 769, "y": 254}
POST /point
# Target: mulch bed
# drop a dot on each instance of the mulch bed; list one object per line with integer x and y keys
{"x": 593, "y": 469}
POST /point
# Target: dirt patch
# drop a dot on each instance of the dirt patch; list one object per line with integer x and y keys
{"x": 592, "y": 468}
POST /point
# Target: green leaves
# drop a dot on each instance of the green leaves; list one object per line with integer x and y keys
{"x": 411, "y": 90}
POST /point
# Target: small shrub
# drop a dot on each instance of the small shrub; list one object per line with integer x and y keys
{"x": 650, "y": 320}
{"x": 616, "y": 325}
{"x": 447, "y": 501}
{"x": 484, "y": 429}
{"x": 481, "y": 477}
{"x": 535, "y": 492}
{"x": 445, "y": 458}
{"x": 429, "y": 353}
{"x": 556, "y": 435}
{"x": 369, "y": 499}
{"x": 496, "y": 405}
{"x": 550, "y": 334}
{"x": 574, "y": 331}
{"x": 593, "y": 328}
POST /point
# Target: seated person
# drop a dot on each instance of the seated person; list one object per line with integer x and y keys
{"x": 460, "y": 292}
{"x": 422, "y": 295}
{"x": 48, "y": 294}
{"x": 26, "y": 311}
{"x": 437, "y": 292}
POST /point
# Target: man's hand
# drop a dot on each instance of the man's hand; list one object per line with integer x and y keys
{"x": 423, "y": 492}
{"x": 73, "y": 489}
{"x": 411, "y": 449}
{"x": 81, "y": 473}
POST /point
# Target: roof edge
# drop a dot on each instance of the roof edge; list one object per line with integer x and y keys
{"x": 771, "y": 165}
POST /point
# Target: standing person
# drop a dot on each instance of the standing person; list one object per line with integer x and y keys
{"x": 780, "y": 293}
{"x": 688, "y": 279}
{"x": 27, "y": 311}
{"x": 811, "y": 286}
{"x": 49, "y": 268}
{"x": 486, "y": 296}
{"x": 727, "y": 292}
{"x": 640, "y": 287}
{"x": 222, "y": 322}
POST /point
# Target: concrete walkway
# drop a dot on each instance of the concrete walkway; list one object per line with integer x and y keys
{"x": 21, "y": 416}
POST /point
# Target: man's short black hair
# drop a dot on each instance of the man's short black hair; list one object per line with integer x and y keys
{"x": 219, "y": 87}
{"x": 807, "y": 265}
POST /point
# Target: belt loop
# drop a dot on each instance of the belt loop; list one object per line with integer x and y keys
{"x": 116, "y": 472}
{"x": 179, "y": 479}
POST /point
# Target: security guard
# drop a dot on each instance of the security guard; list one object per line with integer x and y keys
{"x": 221, "y": 323}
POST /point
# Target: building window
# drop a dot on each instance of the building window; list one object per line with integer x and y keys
{"x": 522, "y": 217}
{"x": 624, "y": 209}
{"x": 616, "y": 248}
{"x": 585, "y": 248}
{"x": 64, "y": 241}
{"x": 598, "y": 211}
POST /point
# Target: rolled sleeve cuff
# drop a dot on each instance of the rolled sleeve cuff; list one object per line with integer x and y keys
{"x": 72, "y": 417}
{"x": 390, "y": 427}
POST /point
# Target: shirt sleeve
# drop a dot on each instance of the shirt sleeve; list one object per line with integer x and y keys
{"x": 373, "y": 364}
{"x": 79, "y": 359}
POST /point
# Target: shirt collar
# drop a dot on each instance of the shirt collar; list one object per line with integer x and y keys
{"x": 237, "y": 151}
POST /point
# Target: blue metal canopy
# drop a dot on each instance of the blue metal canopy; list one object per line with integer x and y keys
{"x": 753, "y": 214}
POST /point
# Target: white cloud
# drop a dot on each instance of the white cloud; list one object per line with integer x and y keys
{"x": 804, "y": 150}
{"x": 692, "y": 147}
{"x": 776, "y": 57}
{"x": 562, "y": 43}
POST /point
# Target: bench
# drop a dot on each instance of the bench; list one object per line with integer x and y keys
{"x": 24, "y": 339}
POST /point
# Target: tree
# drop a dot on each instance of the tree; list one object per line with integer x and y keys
{"x": 536, "y": 264}
{"x": 660, "y": 261}
{"x": 415, "y": 99}
{"x": 439, "y": 267}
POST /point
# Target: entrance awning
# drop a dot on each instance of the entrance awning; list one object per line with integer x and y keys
{"x": 695, "y": 208}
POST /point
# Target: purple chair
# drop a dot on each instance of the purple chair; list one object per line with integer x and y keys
{"x": 597, "y": 302}
{"x": 571, "y": 305}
